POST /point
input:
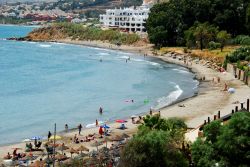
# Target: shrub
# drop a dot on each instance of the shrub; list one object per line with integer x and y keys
{"x": 242, "y": 40}
{"x": 240, "y": 54}
{"x": 213, "y": 45}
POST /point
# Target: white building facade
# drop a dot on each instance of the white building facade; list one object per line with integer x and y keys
{"x": 127, "y": 19}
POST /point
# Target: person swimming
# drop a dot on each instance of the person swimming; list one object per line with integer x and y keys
{"x": 100, "y": 110}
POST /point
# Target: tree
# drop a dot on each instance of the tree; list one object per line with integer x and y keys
{"x": 212, "y": 130}
{"x": 234, "y": 140}
{"x": 168, "y": 21}
{"x": 155, "y": 148}
{"x": 222, "y": 37}
{"x": 226, "y": 145}
{"x": 158, "y": 142}
{"x": 164, "y": 24}
{"x": 203, "y": 33}
{"x": 158, "y": 123}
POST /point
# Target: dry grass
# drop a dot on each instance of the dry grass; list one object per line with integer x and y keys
{"x": 215, "y": 55}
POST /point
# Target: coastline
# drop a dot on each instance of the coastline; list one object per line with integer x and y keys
{"x": 208, "y": 101}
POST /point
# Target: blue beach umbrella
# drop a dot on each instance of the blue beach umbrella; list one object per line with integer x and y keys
{"x": 37, "y": 138}
{"x": 105, "y": 126}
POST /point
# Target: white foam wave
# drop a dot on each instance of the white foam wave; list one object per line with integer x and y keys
{"x": 180, "y": 71}
{"x": 154, "y": 63}
{"x": 103, "y": 54}
{"x": 166, "y": 100}
{"x": 44, "y": 46}
{"x": 138, "y": 60}
{"x": 123, "y": 57}
{"x": 92, "y": 125}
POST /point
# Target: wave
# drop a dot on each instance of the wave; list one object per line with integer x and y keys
{"x": 154, "y": 63}
{"x": 180, "y": 71}
{"x": 123, "y": 57}
{"x": 92, "y": 125}
{"x": 172, "y": 97}
{"x": 103, "y": 54}
{"x": 44, "y": 46}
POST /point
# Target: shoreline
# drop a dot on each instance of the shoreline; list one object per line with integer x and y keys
{"x": 207, "y": 102}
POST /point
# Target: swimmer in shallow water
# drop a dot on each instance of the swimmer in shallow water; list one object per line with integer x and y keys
{"x": 100, "y": 110}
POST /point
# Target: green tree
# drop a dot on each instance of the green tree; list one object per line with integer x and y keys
{"x": 226, "y": 145}
{"x": 202, "y": 33}
{"x": 222, "y": 37}
{"x": 212, "y": 130}
{"x": 155, "y": 148}
{"x": 234, "y": 140}
{"x": 164, "y": 25}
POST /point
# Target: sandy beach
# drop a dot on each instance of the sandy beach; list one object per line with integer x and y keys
{"x": 209, "y": 100}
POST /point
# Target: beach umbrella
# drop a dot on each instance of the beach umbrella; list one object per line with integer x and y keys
{"x": 231, "y": 90}
{"x": 120, "y": 120}
{"x": 53, "y": 145}
{"x": 105, "y": 126}
{"x": 73, "y": 151}
{"x": 37, "y": 164}
{"x": 56, "y": 137}
{"x": 61, "y": 157}
{"x": 37, "y": 138}
{"x": 62, "y": 148}
{"x": 133, "y": 116}
{"x": 82, "y": 148}
{"x": 117, "y": 138}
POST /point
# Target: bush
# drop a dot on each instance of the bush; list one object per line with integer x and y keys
{"x": 240, "y": 54}
{"x": 242, "y": 40}
{"x": 213, "y": 45}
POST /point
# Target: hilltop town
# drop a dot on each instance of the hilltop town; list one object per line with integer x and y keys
{"x": 42, "y": 12}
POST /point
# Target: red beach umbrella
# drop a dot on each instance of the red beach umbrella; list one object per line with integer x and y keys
{"x": 120, "y": 120}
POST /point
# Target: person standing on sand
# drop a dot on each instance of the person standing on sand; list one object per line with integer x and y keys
{"x": 49, "y": 135}
{"x": 96, "y": 122}
{"x": 80, "y": 128}
{"x": 66, "y": 127}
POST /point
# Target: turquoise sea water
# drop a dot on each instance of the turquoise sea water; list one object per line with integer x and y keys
{"x": 46, "y": 83}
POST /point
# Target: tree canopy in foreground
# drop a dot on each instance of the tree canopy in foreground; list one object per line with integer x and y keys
{"x": 224, "y": 145}
{"x": 157, "y": 143}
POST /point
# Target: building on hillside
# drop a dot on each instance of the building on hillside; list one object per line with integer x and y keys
{"x": 131, "y": 19}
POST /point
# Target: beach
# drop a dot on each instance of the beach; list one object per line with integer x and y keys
{"x": 209, "y": 100}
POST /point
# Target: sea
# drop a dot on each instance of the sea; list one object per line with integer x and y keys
{"x": 46, "y": 83}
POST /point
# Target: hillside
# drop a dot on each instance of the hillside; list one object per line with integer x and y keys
{"x": 70, "y": 5}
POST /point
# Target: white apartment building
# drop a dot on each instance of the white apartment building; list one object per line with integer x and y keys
{"x": 128, "y": 19}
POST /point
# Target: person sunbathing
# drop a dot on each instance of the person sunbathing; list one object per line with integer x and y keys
{"x": 8, "y": 156}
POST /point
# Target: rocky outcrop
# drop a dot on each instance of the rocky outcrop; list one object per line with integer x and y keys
{"x": 50, "y": 33}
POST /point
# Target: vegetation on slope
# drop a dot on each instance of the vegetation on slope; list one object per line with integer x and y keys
{"x": 78, "y": 32}
{"x": 168, "y": 21}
